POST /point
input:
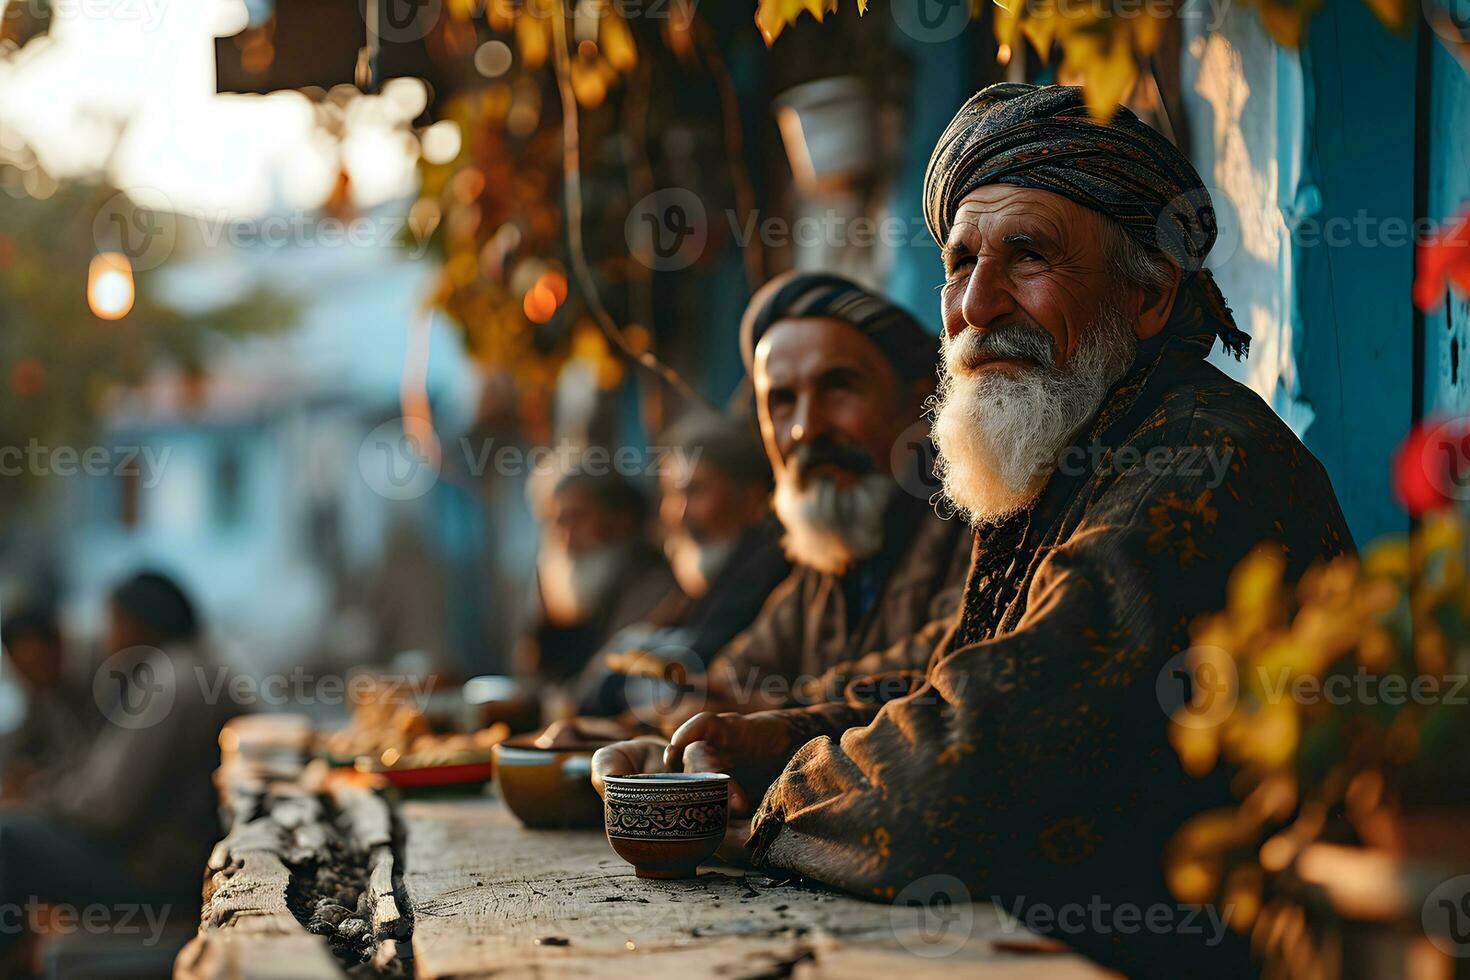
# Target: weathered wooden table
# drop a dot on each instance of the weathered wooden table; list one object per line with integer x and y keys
{"x": 490, "y": 898}
{"x": 458, "y": 889}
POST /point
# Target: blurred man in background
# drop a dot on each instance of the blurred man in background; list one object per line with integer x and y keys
{"x": 132, "y": 819}
{"x": 596, "y": 573}
{"x": 724, "y": 547}
{"x": 54, "y": 720}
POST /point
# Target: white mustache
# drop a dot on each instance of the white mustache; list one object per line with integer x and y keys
{"x": 966, "y": 352}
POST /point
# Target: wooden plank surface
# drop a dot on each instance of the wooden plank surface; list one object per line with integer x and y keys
{"x": 490, "y": 898}
{"x": 285, "y": 824}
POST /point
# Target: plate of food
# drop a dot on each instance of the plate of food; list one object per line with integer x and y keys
{"x": 438, "y": 762}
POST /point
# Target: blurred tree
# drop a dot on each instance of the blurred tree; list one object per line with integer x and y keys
{"x": 61, "y": 364}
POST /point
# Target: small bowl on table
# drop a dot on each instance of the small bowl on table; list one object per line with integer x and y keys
{"x": 665, "y": 824}
{"x": 548, "y": 788}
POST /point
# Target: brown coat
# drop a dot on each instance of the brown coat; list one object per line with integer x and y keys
{"x": 804, "y": 643}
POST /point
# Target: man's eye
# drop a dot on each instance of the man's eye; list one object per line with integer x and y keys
{"x": 1026, "y": 255}
{"x": 960, "y": 268}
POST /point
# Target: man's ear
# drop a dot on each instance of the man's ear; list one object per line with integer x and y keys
{"x": 1157, "y": 305}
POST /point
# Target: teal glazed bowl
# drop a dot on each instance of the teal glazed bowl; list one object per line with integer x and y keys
{"x": 665, "y": 824}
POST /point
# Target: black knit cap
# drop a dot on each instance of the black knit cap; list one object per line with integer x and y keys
{"x": 912, "y": 350}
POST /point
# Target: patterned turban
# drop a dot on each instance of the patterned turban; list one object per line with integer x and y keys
{"x": 1041, "y": 136}
{"x": 912, "y": 350}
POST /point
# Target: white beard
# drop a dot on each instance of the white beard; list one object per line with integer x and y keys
{"x": 829, "y": 529}
{"x": 574, "y": 586}
{"x": 999, "y": 431}
{"x": 695, "y": 564}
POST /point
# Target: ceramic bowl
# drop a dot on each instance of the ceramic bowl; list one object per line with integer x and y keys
{"x": 665, "y": 824}
{"x": 548, "y": 788}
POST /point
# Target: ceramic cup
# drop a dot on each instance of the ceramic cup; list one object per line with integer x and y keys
{"x": 548, "y": 789}
{"x": 666, "y": 823}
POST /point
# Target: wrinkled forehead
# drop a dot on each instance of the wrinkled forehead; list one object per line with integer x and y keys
{"x": 1001, "y": 208}
{"x": 798, "y": 349}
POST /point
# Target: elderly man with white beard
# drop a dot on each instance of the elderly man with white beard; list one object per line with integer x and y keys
{"x": 1029, "y": 764}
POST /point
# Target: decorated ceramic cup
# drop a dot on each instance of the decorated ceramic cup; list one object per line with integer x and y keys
{"x": 666, "y": 823}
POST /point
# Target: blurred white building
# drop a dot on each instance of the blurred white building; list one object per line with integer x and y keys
{"x": 260, "y": 487}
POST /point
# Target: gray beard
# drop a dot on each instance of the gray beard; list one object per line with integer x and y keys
{"x": 829, "y": 529}
{"x": 574, "y": 587}
{"x": 695, "y": 564}
{"x": 999, "y": 432}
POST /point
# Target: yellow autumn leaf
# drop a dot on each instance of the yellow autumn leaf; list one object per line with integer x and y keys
{"x": 1007, "y": 20}
{"x": 1148, "y": 31}
{"x": 1439, "y": 532}
{"x": 1242, "y": 897}
{"x": 1194, "y": 882}
{"x": 1282, "y": 659}
{"x": 1376, "y": 650}
{"x": 462, "y": 9}
{"x": 1040, "y": 29}
{"x": 1286, "y": 20}
{"x": 772, "y": 16}
{"x": 1272, "y": 735}
{"x": 533, "y": 39}
{"x": 501, "y": 14}
{"x": 1388, "y": 557}
{"x": 617, "y": 44}
{"x": 1198, "y": 748}
{"x": 1396, "y": 15}
{"x": 1255, "y": 587}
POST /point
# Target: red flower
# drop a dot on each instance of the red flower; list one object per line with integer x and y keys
{"x": 1431, "y": 468}
{"x": 1443, "y": 259}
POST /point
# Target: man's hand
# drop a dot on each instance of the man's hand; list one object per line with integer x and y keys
{"x": 642, "y": 754}
{"x": 565, "y": 734}
{"x": 751, "y": 748}
{"x": 732, "y": 848}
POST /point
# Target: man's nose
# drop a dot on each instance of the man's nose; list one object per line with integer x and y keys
{"x": 807, "y": 422}
{"x": 987, "y": 298}
{"x": 673, "y": 510}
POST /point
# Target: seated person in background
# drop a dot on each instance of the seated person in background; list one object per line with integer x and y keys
{"x": 134, "y": 817}
{"x": 1031, "y": 759}
{"x": 596, "y": 574}
{"x": 724, "y": 547}
{"x": 840, "y": 376}
{"x": 54, "y": 722}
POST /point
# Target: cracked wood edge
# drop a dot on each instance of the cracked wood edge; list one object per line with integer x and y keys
{"x": 247, "y": 930}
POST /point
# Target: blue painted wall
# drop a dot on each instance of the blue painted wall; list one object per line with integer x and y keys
{"x": 1447, "y": 326}
{"x": 1355, "y": 350}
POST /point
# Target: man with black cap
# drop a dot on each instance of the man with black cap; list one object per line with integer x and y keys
{"x": 1029, "y": 764}
{"x": 840, "y": 376}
